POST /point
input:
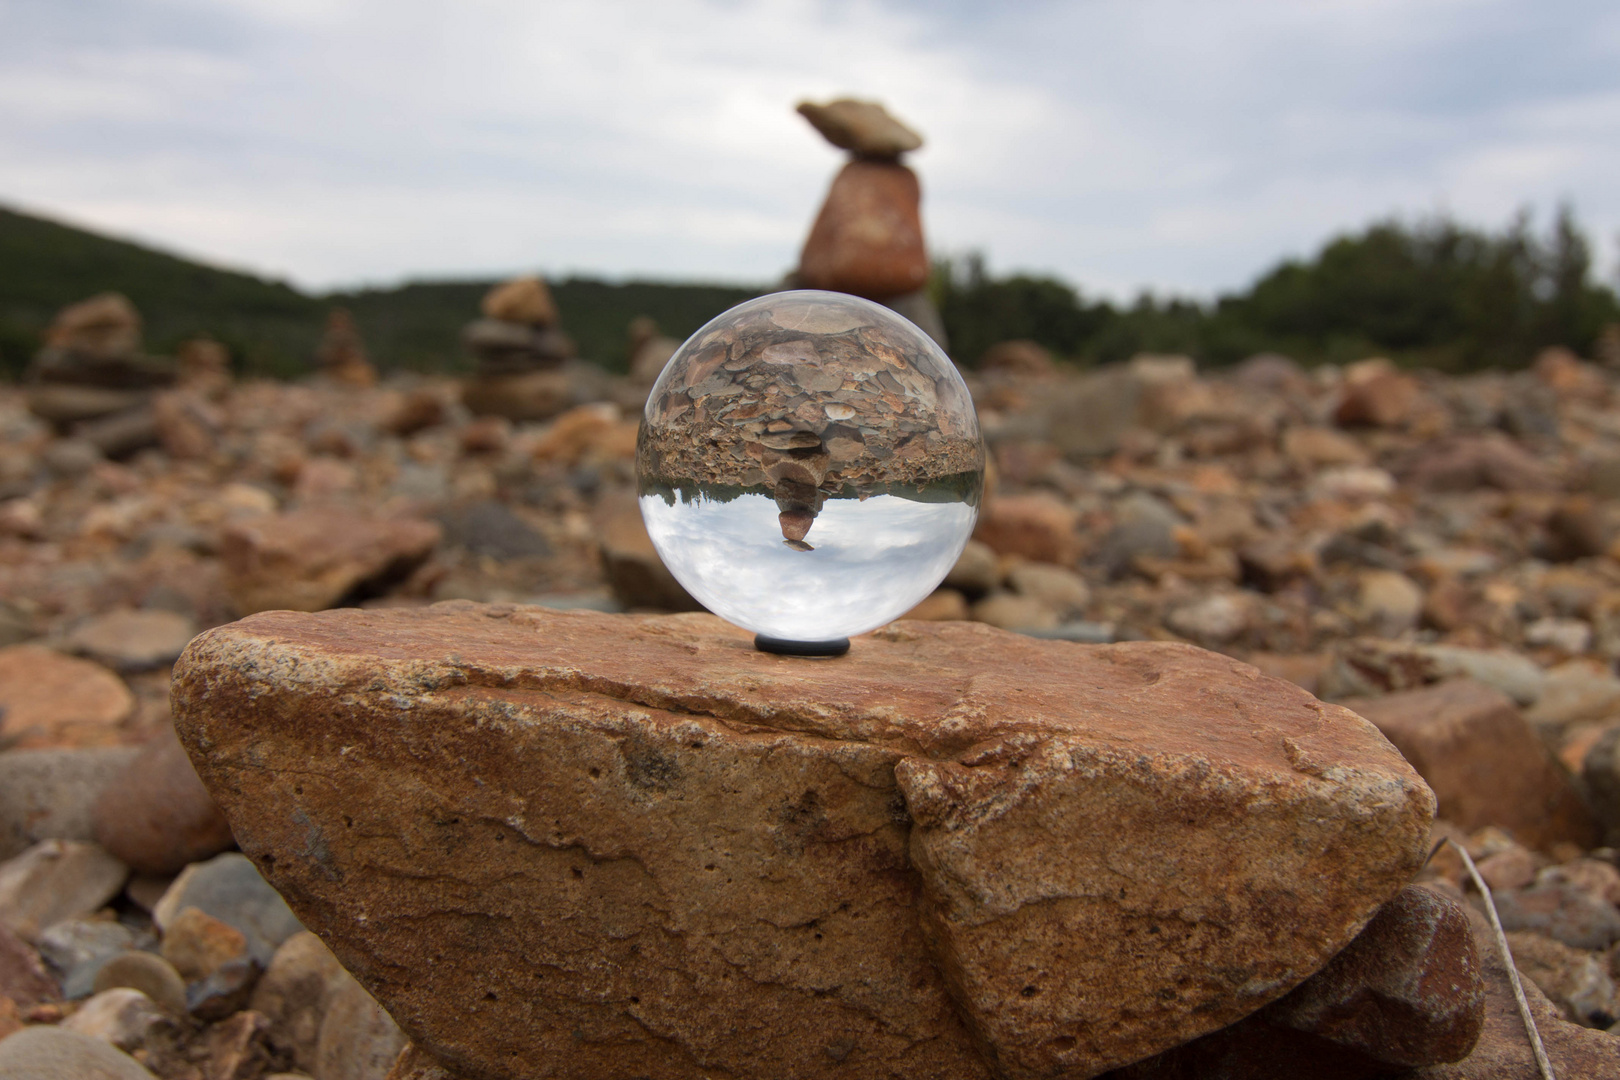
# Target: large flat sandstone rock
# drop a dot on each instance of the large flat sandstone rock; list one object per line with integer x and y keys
{"x": 564, "y": 844}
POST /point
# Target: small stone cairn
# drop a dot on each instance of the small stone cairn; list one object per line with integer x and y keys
{"x": 91, "y": 379}
{"x": 522, "y": 355}
{"x": 342, "y": 354}
{"x": 868, "y": 238}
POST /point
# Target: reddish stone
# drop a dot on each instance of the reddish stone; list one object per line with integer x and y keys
{"x": 868, "y": 238}
{"x": 1385, "y": 399}
{"x": 1483, "y": 760}
{"x": 887, "y": 864}
{"x": 1503, "y": 1050}
{"x": 1037, "y": 526}
{"x": 1407, "y": 991}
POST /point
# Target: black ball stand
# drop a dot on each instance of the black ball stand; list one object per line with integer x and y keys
{"x": 784, "y": 647}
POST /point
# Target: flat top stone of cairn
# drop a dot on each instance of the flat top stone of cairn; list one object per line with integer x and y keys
{"x": 862, "y": 127}
{"x": 634, "y": 845}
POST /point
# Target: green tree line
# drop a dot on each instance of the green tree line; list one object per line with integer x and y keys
{"x": 1435, "y": 293}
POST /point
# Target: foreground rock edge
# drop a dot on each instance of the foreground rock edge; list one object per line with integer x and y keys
{"x": 989, "y": 749}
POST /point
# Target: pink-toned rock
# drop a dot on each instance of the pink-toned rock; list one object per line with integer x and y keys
{"x": 311, "y": 559}
{"x": 868, "y": 238}
{"x": 1485, "y": 764}
{"x": 47, "y": 699}
{"x": 1037, "y": 526}
{"x": 742, "y": 863}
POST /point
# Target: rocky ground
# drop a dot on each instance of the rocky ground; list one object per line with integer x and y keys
{"x": 1442, "y": 554}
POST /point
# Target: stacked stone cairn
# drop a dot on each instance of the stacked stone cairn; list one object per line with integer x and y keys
{"x": 92, "y": 381}
{"x": 868, "y": 237}
{"x": 341, "y": 354}
{"x": 523, "y": 370}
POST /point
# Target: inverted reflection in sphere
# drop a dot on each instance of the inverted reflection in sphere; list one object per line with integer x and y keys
{"x": 810, "y": 465}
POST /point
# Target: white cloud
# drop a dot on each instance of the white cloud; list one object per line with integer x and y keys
{"x": 1171, "y": 143}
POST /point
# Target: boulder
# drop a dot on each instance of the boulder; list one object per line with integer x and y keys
{"x": 663, "y": 852}
{"x": 868, "y": 238}
{"x": 1483, "y": 760}
{"x": 311, "y": 559}
{"x": 47, "y": 699}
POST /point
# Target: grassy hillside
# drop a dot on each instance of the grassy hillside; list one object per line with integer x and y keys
{"x": 272, "y": 328}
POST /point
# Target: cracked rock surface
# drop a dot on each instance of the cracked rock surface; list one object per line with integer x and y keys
{"x": 568, "y": 844}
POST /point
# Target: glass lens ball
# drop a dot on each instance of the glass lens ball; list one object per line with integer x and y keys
{"x": 809, "y": 465}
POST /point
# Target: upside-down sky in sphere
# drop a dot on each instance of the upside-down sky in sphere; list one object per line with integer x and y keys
{"x": 1181, "y": 145}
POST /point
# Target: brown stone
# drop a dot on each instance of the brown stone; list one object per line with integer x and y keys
{"x": 1383, "y": 398}
{"x": 1485, "y": 764}
{"x": 311, "y": 559}
{"x": 23, "y": 978}
{"x": 359, "y": 1040}
{"x": 864, "y": 127}
{"x": 56, "y": 880}
{"x": 157, "y": 816}
{"x": 197, "y": 944}
{"x": 294, "y": 993}
{"x": 1473, "y": 462}
{"x": 342, "y": 355}
{"x": 1503, "y": 1051}
{"x": 1037, "y": 526}
{"x": 188, "y": 425}
{"x": 1407, "y": 991}
{"x": 529, "y": 395}
{"x": 868, "y": 238}
{"x": 47, "y": 699}
{"x": 522, "y": 300}
{"x": 1019, "y": 357}
{"x": 236, "y": 1048}
{"x": 737, "y": 862}
{"x": 1575, "y": 980}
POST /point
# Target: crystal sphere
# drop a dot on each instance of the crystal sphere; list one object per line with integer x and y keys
{"x": 809, "y": 465}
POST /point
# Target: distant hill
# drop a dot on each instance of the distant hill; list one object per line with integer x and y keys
{"x": 272, "y": 327}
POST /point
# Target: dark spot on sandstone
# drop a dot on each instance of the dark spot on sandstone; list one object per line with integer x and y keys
{"x": 647, "y": 765}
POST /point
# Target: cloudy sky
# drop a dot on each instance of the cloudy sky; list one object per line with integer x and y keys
{"x": 1182, "y": 145}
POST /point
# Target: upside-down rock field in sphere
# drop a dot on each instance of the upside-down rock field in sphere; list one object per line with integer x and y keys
{"x": 810, "y": 465}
